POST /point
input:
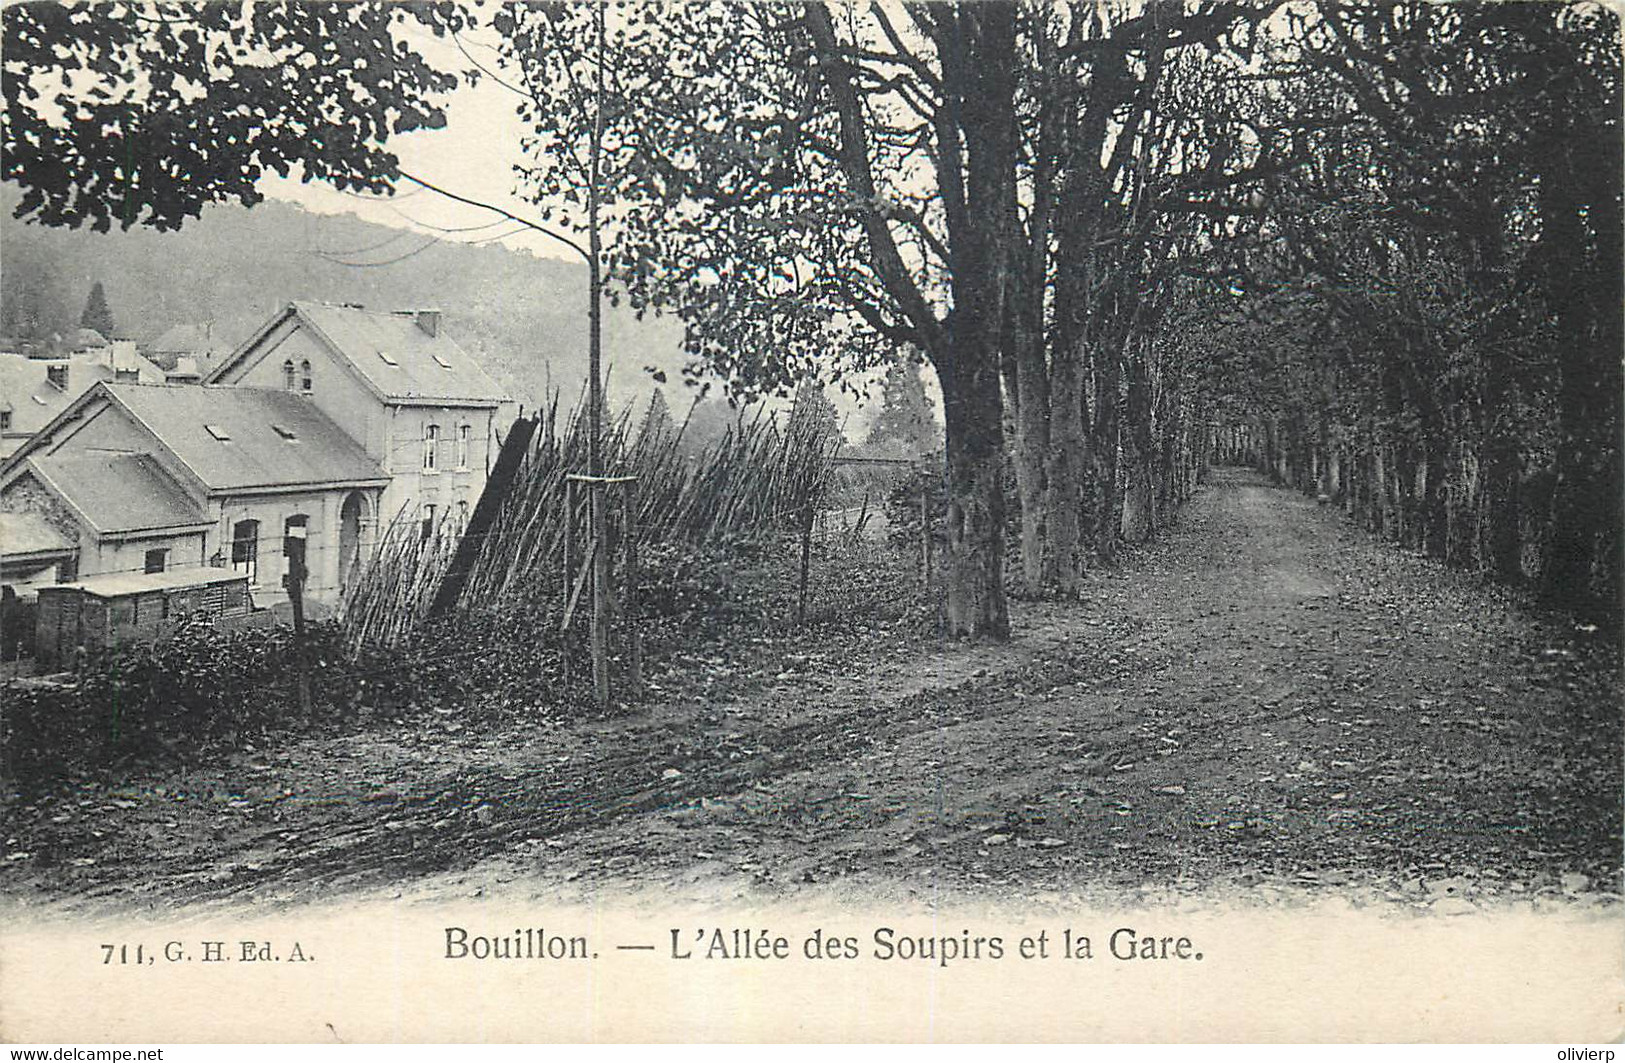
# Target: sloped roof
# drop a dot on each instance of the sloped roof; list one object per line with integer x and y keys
{"x": 401, "y": 361}
{"x": 122, "y": 357}
{"x": 118, "y": 492}
{"x": 120, "y": 584}
{"x": 29, "y": 533}
{"x": 31, "y": 400}
{"x": 256, "y": 454}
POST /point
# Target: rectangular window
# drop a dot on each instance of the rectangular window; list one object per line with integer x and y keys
{"x": 157, "y": 561}
{"x": 431, "y": 444}
{"x": 428, "y": 521}
{"x": 5, "y": 420}
{"x": 465, "y": 436}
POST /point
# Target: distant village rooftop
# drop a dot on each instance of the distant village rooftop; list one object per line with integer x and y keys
{"x": 403, "y": 356}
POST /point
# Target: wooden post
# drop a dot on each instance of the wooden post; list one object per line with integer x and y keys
{"x": 600, "y": 594}
{"x": 629, "y": 580}
{"x": 569, "y": 570}
{"x": 293, "y": 545}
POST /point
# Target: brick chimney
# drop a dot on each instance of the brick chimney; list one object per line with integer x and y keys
{"x": 427, "y": 320}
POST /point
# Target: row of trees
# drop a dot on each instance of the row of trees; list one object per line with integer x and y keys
{"x": 1436, "y": 317}
{"x": 1105, "y": 225}
{"x": 1023, "y": 194}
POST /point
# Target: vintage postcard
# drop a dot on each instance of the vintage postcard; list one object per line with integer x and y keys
{"x": 812, "y": 522}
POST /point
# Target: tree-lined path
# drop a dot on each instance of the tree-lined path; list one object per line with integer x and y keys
{"x": 1264, "y": 701}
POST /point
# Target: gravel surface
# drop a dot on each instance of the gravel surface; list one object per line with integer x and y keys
{"x": 1263, "y": 704}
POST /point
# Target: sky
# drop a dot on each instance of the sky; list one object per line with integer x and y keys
{"x": 472, "y": 156}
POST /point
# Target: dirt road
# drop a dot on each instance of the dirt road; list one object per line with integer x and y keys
{"x": 1263, "y": 702}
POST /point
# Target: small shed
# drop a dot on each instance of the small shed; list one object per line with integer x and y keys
{"x": 102, "y": 612}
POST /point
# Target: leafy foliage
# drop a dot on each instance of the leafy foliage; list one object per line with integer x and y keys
{"x": 143, "y": 113}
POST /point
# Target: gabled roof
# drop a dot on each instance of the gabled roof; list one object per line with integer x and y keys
{"x": 118, "y": 493}
{"x": 31, "y": 399}
{"x": 272, "y": 438}
{"x": 398, "y": 360}
{"x": 23, "y": 534}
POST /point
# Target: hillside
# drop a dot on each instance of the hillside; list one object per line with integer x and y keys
{"x": 523, "y": 316}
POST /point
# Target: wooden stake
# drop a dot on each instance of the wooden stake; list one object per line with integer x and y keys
{"x": 569, "y": 573}
{"x": 294, "y": 547}
{"x": 629, "y": 579}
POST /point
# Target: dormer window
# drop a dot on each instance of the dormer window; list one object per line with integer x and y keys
{"x": 389, "y": 359}
{"x": 304, "y": 376}
{"x": 285, "y": 432}
{"x": 431, "y": 444}
{"x": 440, "y": 360}
{"x": 218, "y": 432}
{"x": 287, "y": 375}
{"x": 57, "y": 376}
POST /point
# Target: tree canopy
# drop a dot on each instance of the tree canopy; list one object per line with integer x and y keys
{"x": 143, "y": 113}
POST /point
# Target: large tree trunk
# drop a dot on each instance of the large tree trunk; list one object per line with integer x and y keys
{"x": 1137, "y": 495}
{"x": 975, "y": 562}
{"x": 1582, "y": 554}
{"x": 1066, "y": 556}
{"x": 1032, "y": 422}
{"x": 976, "y": 46}
{"x": 1107, "y": 499}
{"x": 982, "y": 274}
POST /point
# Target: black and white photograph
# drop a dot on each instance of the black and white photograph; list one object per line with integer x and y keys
{"x": 813, "y": 521}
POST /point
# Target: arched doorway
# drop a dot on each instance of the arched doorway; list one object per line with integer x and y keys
{"x": 352, "y": 519}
